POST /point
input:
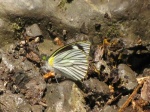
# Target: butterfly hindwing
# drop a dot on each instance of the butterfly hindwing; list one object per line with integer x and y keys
{"x": 85, "y": 46}
{"x": 72, "y": 64}
{"x": 72, "y": 60}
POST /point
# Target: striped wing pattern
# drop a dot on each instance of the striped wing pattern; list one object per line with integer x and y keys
{"x": 85, "y": 46}
{"x": 73, "y": 63}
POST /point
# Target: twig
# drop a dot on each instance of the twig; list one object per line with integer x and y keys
{"x": 130, "y": 97}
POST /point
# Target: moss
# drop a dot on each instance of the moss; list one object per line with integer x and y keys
{"x": 110, "y": 29}
{"x": 18, "y": 24}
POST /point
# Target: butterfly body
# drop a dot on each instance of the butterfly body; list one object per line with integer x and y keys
{"x": 71, "y": 60}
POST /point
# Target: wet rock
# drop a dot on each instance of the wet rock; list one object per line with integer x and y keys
{"x": 145, "y": 92}
{"x": 96, "y": 86}
{"x": 127, "y": 76}
{"x": 13, "y": 103}
{"x": 33, "y": 31}
{"x": 64, "y": 97}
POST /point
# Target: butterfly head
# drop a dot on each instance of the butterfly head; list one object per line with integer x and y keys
{"x": 48, "y": 66}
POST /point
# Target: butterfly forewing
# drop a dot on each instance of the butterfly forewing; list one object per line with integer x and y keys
{"x": 85, "y": 46}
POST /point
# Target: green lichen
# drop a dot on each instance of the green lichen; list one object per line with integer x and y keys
{"x": 15, "y": 27}
{"x": 62, "y": 3}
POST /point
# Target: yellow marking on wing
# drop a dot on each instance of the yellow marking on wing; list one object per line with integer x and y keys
{"x": 51, "y": 61}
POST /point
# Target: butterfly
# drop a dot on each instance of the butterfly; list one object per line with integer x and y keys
{"x": 71, "y": 60}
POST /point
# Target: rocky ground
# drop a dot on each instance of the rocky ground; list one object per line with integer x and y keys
{"x": 118, "y": 78}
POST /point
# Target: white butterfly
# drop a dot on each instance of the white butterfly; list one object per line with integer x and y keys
{"x": 71, "y": 60}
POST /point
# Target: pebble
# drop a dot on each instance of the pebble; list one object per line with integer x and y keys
{"x": 128, "y": 76}
{"x": 37, "y": 39}
{"x": 145, "y": 92}
{"x": 33, "y": 31}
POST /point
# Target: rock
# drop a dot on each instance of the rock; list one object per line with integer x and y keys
{"x": 127, "y": 76}
{"x": 2, "y": 87}
{"x": 146, "y": 72}
{"x": 108, "y": 108}
{"x": 33, "y": 31}
{"x": 145, "y": 91}
{"x": 6, "y": 32}
{"x": 84, "y": 28}
{"x": 47, "y": 47}
{"x": 25, "y": 77}
{"x": 7, "y": 61}
{"x": 13, "y": 103}
{"x": 37, "y": 39}
{"x": 35, "y": 89}
{"x": 96, "y": 86}
{"x": 62, "y": 16}
{"x": 122, "y": 100}
{"x": 96, "y": 93}
{"x": 21, "y": 7}
{"x": 0, "y": 57}
{"x": 64, "y": 97}
{"x": 37, "y": 108}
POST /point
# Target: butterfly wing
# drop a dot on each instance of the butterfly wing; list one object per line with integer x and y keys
{"x": 84, "y": 46}
{"x": 72, "y": 64}
{"x": 71, "y": 60}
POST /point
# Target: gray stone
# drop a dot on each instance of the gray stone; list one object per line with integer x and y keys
{"x": 64, "y": 97}
{"x": 33, "y": 31}
{"x": 35, "y": 89}
{"x": 34, "y": 82}
{"x": 145, "y": 91}
{"x": 131, "y": 16}
{"x": 96, "y": 86}
{"x": 122, "y": 100}
{"x": 6, "y": 32}
{"x": 108, "y": 108}
{"x": 37, "y": 108}
{"x": 128, "y": 76}
{"x": 13, "y": 103}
